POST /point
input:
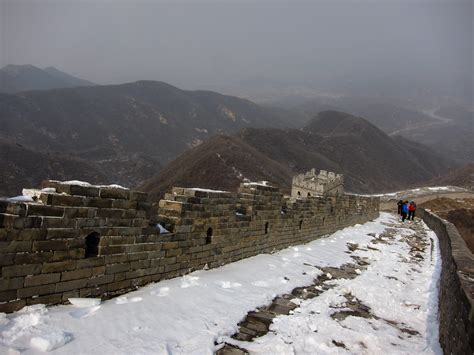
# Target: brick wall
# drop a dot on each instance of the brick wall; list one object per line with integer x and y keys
{"x": 42, "y": 244}
{"x": 456, "y": 293}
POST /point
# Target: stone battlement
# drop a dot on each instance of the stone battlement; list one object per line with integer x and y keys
{"x": 78, "y": 240}
{"x": 311, "y": 184}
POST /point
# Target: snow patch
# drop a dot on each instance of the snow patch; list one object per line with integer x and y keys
{"x": 51, "y": 341}
{"x": 84, "y": 302}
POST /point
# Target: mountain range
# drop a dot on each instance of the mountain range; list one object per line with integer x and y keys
{"x": 445, "y": 127}
{"x": 129, "y": 133}
{"x": 17, "y": 78}
{"x": 126, "y": 131}
{"x": 335, "y": 141}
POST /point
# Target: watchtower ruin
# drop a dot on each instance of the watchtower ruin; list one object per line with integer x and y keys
{"x": 323, "y": 184}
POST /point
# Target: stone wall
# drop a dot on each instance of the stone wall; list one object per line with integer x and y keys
{"x": 43, "y": 244}
{"x": 456, "y": 293}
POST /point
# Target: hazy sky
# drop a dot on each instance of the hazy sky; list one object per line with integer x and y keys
{"x": 193, "y": 43}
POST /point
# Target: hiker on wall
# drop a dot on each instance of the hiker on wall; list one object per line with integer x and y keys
{"x": 411, "y": 210}
{"x": 404, "y": 210}
{"x": 399, "y": 205}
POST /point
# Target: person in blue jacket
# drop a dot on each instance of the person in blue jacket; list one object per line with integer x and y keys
{"x": 404, "y": 210}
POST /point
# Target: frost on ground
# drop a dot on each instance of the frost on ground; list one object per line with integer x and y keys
{"x": 390, "y": 304}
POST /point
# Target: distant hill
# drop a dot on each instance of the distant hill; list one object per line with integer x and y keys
{"x": 220, "y": 163}
{"x": 370, "y": 160}
{"x": 463, "y": 177}
{"x": 25, "y": 168}
{"x": 448, "y": 130}
{"x": 127, "y": 130}
{"x": 17, "y": 78}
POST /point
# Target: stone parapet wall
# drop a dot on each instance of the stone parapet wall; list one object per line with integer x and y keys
{"x": 43, "y": 243}
{"x": 456, "y": 289}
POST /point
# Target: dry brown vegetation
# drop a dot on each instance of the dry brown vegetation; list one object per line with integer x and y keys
{"x": 460, "y": 212}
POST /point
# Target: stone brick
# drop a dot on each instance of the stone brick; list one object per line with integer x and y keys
{"x": 97, "y": 291}
{"x": 47, "y": 245}
{"x": 48, "y": 299}
{"x": 138, "y": 196}
{"x": 58, "y": 222}
{"x": 36, "y": 291}
{"x": 173, "y": 252}
{"x": 118, "y": 222}
{"x": 90, "y": 222}
{"x": 110, "y": 213}
{"x": 11, "y": 284}
{"x": 89, "y": 191}
{"x": 62, "y": 233}
{"x": 31, "y": 258}
{"x": 62, "y": 200}
{"x": 98, "y": 270}
{"x": 138, "y": 256}
{"x": 113, "y": 192}
{"x": 12, "y": 306}
{"x": 129, "y": 213}
{"x": 8, "y": 295}
{"x": 99, "y": 202}
{"x": 20, "y": 270}
{"x": 59, "y": 266}
{"x": 90, "y": 262}
{"x": 27, "y": 222}
{"x": 71, "y": 285}
{"x": 42, "y": 279}
{"x": 60, "y": 255}
{"x": 138, "y": 222}
{"x": 45, "y": 210}
{"x": 14, "y": 208}
{"x": 31, "y": 234}
{"x": 80, "y": 212}
{"x": 116, "y": 268}
{"x": 76, "y": 274}
{"x": 124, "y": 204}
{"x": 116, "y": 258}
{"x": 141, "y": 264}
{"x": 15, "y": 246}
{"x": 100, "y": 280}
{"x": 112, "y": 249}
{"x": 121, "y": 285}
{"x": 170, "y": 245}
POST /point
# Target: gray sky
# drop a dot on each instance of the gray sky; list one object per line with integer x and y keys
{"x": 194, "y": 43}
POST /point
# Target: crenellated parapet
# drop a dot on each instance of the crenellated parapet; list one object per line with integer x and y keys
{"x": 78, "y": 240}
{"x": 311, "y": 184}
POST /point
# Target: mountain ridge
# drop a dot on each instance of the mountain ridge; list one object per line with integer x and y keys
{"x": 18, "y": 78}
{"x": 380, "y": 164}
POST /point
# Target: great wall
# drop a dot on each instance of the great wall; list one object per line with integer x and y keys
{"x": 77, "y": 240}
{"x": 71, "y": 239}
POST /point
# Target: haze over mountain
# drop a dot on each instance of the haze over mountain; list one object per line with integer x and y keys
{"x": 391, "y": 48}
{"x": 17, "y": 78}
{"x": 370, "y": 160}
{"x": 447, "y": 129}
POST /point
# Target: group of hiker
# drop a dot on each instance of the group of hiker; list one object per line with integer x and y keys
{"x": 406, "y": 210}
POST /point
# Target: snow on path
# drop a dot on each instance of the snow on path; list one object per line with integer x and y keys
{"x": 187, "y": 315}
{"x": 398, "y": 293}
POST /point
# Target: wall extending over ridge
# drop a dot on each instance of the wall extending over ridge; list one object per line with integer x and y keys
{"x": 456, "y": 289}
{"x": 43, "y": 244}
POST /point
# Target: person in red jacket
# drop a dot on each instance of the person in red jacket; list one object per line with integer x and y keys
{"x": 411, "y": 210}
